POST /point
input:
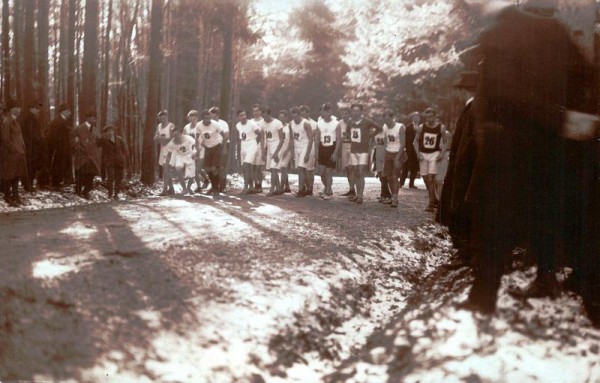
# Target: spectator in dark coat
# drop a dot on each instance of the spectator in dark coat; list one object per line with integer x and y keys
{"x": 411, "y": 166}
{"x": 14, "y": 165}
{"x": 453, "y": 211}
{"x": 115, "y": 158}
{"x": 34, "y": 142}
{"x": 86, "y": 155}
{"x": 59, "y": 146}
{"x": 534, "y": 180}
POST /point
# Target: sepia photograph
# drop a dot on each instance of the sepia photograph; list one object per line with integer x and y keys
{"x": 305, "y": 191}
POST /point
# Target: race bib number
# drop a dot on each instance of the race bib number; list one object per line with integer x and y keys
{"x": 391, "y": 138}
{"x": 380, "y": 141}
{"x": 243, "y": 136}
{"x": 327, "y": 139}
{"x": 269, "y": 135}
{"x": 429, "y": 140}
{"x": 296, "y": 136}
{"x": 356, "y": 134}
{"x": 207, "y": 136}
{"x": 345, "y": 136}
{"x": 182, "y": 149}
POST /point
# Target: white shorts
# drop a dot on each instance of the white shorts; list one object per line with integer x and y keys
{"x": 187, "y": 163}
{"x": 162, "y": 156}
{"x": 249, "y": 152}
{"x": 285, "y": 159}
{"x": 259, "y": 157}
{"x": 428, "y": 165}
{"x": 345, "y": 160}
{"x": 269, "y": 163}
{"x": 357, "y": 159}
{"x": 299, "y": 154}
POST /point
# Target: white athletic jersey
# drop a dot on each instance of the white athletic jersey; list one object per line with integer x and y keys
{"x": 223, "y": 125}
{"x": 313, "y": 124}
{"x": 260, "y": 123}
{"x": 344, "y": 132}
{"x": 394, "y": 137}
{"x": 286, "y": 137}
{"x": 209, "y": 135}
{"x": 247, "y": 131}
{"x": 379, "y": 139}
{"x": 328, "y": 131}
{"x": 300, "y": 137}
{"x": 164, "y": 132}
{"x": 185, "y": 149}
{"x": 190, "y": 130}
{"x": 271, "y": 130}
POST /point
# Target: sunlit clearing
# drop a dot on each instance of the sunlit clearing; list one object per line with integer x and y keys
{"x": 268, "y": 209}
{"x": 79, "y": 230}
{"x": 50, "y": 269}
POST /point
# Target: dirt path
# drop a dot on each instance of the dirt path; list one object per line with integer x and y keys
{"x": 196, "y": 289}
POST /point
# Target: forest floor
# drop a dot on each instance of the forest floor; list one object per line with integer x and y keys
{"x": 255, "y": 288}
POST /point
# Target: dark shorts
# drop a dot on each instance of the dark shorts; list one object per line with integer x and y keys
{"x": 212, "y": 157}
{"x": 325, "y": 153}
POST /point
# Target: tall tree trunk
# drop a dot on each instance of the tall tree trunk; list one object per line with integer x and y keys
{"x": 17, "y": 49}
{"x": 104, "y": 111}
{"x": 6, "y": 89}
{"x": 61, "y": 72}
{"x": 71, "y": 56}
{"x": 227, "y": 65}
{"x": 89, "y": 68}
{"x": 42, "y": 57}
{"x": 29, "y": 78}
{"x": 153, "y": 92}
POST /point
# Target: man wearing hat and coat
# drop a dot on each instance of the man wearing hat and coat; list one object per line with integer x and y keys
{"x": 14, "y": 165}
{"x": 453, "y": 211}
{"x": 59, "y": 147}
{"x": 115, "y": 158}
{"x": 34, "y": 143}
{"x": 86, "y": 155}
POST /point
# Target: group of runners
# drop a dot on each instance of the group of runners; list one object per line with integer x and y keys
{"x": 199, "y": 151}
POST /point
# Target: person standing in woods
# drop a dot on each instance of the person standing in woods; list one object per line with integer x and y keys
{"x": 14, "y": 165}
{"x": 162, "y": 137}
{"x": 34, "y": 143}
{"x": 59, "y": 147}
{"x": 192, "y": 129}
{"x": 274, "y": 142}
{"x": 286, "y": 151}
{"x": 411, "y": 166}
{"x": 258, "y": 167}
{"x": 86, "y": 155}
{"x": 344, "y": 159}
{"x": 115, "y": 158}
{"x": 250, "y": 140}
{"x": 304, "y": 156}
{"x": 305, "y": 114}
{"x": 215, "y": 113}
{"x": 327, "y": 147}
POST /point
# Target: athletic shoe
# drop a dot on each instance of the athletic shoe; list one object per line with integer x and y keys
{"x": 278, "y": 192}
{"x": 349, "y": 193}
{"x": 301, "y": 194}
{"x": 386, "y": 201}
{"x": 271, "y": 193}
{"x": 326, "y": 197}
{"x": 352, "y": 198}
{"x": 380, "y": 199}
{"x": 394, "y": 203}
{"x": 309, "y": 192}
{"x": 287, "y": 190}
{"x": 359, "y": 200}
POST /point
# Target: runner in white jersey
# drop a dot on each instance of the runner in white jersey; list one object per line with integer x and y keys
{"x": 250, "y": 137}
{"x": 163, "y": 136}
{"x": 287, "y": 150}
{"x": 344, "y": 159}
{"x": 305, "y": 113}
{"x": 385, "y": 195}
{"x": 303, "y": 151}
{"x": 181, "y": 153}
{"x": 395, "y": 155}
{"x": 215, "y": 113}
{"x": 211, "y": 139}
{"x": 258, "y": 167}
{"x": 191, "y": 129}
{"x": 327, "y": 145}
{"x": 273, "y": 130}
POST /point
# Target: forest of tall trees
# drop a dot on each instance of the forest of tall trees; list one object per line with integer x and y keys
{"x": 126, "y": 60}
